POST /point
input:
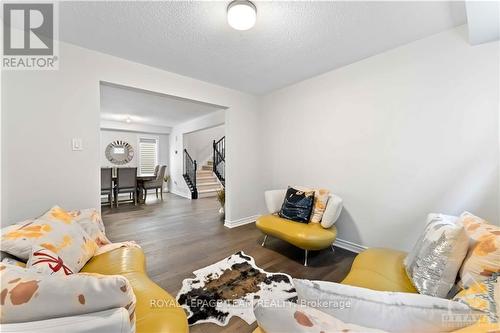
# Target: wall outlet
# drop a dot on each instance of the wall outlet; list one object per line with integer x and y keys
{"x": 76, "y": 144}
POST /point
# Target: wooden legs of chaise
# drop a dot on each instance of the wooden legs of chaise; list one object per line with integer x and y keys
{"x": 305, "y": 251}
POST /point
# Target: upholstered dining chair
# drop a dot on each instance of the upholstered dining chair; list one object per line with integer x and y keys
{"x": 157, "y": 168}
{"x": 126, "y": 182}
{"x": 156, "y": 183}
{"x": 107, "y": 185}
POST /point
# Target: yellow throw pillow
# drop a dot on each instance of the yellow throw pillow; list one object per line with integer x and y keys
{"x": 28, "y": 295}
{"x": 483, "y": 296}
{"x": 57, "y": 231}
{"x": 483, "y": 258}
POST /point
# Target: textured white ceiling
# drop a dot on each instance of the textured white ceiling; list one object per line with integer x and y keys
{"x": 290, "y": 42}
{"x": 143, "y": 107}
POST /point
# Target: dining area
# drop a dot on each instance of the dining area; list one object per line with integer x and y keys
{"x": 125, "y": 185}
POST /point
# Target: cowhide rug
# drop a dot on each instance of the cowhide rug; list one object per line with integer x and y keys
{"x": 230, "y": 288}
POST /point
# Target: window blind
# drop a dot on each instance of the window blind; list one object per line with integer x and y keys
{"x": 148, "y": 156}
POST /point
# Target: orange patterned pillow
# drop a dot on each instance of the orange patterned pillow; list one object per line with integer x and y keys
{"x": 91, "y": 221}
{"x": 321, "y": 197}
{"x": 28, "y": 295}
{"x": 483, "y": 258}
{"x": 57, "y": 231}
{"x": 45, "y": 261}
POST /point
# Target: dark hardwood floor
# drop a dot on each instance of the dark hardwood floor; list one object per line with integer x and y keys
{"x": 179, "y": 236}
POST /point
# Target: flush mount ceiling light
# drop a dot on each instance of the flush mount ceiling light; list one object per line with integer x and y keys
{"x": 241, "y": 14}
{"x": 128, "y": 120}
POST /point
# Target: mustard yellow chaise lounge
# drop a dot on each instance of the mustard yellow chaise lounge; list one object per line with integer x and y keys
{"x": 156, "y": 311}
{"x": 307, "y": 236}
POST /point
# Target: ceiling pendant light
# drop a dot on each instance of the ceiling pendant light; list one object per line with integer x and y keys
{"x": 241, "y": 14}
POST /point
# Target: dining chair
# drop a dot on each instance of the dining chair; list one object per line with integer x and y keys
{"x": 107, "y": 185}
{"x": 157, "y": 168}
{"x": 156, "y": 183}
{"x": 126, "y": 182}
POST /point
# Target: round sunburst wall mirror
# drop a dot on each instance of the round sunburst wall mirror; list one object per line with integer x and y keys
{"x": 119, "y": 152}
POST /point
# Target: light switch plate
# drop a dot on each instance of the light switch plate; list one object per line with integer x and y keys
{"x": 77, "y": 144}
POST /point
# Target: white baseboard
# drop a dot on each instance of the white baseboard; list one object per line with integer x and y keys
{"x": 181, "y": 194}
{"x": 344, "y": 244}
{"x": 240, "y": 222}
{"x": 353, "y": 247}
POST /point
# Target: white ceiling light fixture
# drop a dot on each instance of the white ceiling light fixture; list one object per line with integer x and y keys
{"x": 241, "y": 14}
{"x": 128, "y": 120}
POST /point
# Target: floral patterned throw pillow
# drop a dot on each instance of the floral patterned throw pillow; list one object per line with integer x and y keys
{"x": 321, "y": 197}
{"x": 90, "y": 220}
{"x": 483, "y": 258}
{"x": 57, "y": 231}
{"x": 45, "y": 261}
{"x": 28, "y": 295}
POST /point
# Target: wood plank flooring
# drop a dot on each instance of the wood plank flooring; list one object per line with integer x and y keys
{"x": 179, "y": 236}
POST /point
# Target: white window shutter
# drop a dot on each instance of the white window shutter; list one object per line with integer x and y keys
{"x": 148, "y": 156}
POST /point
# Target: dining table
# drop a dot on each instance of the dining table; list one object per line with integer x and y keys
{"x": 140, "y": 181}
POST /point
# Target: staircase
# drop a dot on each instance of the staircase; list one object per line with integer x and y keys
{"x": 210, "y": 178}
{"x": 189, "y": 174}
{"x": 206, "y": 181}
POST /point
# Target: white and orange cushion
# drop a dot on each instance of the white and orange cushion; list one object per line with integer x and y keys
{"x": 113, "y": 246}
{"x": 90, "y": 220}
{"x": 281, "y": 317}
{"x": 45, "y": 261}
{"x": 483, "y": 258}
{"x": 394, "y": 311}
{"x": 28, "y": 295}
{"x": 483, "y": 296}
{"x": 57, "y": 231}
{"x": 321, "y": 197}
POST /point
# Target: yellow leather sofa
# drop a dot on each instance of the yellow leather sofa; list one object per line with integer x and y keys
{"x": 382, "y": 269}
{"x": 307, "y": 236}
{"x": 152, "y": 316}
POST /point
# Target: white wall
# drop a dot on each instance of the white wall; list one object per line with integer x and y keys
{"x": 398, "y": 135}
{"x": 199, "y": 144}
{"x": 483, "y": 21}
{"x": 108, "y": 136}
{"x": 43, "y": 110}
{"x": 214, "y": 119}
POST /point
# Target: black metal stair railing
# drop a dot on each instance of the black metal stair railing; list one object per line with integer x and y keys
{"x": 190, "y": 168}
{"x": 219, "y": 159}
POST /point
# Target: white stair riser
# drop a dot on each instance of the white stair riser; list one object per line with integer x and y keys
{"x": 207, "y": 195}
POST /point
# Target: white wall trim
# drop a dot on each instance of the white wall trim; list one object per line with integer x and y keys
{"x": 343, "y": 244}
{"x": 237, "y": 223}
{"x": 350, "y": 246}
{"x": 184, "y": 195}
